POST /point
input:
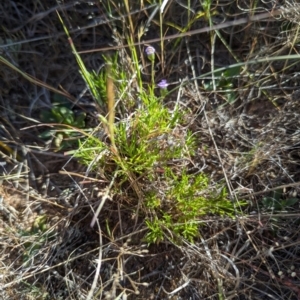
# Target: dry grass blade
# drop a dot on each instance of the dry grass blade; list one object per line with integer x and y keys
{"x": 111, "y": 107}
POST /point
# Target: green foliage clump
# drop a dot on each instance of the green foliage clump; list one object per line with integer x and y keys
{"x": 146, "y": 141}
{"x": 179, "y": 213}
{"x": 142, "y": 148}
{"x": 224, "y": 82}
{"x": 61, "y": 113}
{"x": 277, "y": 202}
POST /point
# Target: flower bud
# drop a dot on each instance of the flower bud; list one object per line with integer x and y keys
{"x": 150, "y": 51}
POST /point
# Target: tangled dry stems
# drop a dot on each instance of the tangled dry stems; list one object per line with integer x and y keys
{"x": 255, "y": 142}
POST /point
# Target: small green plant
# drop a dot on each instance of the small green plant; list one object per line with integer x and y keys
{"x": 143, "y": 148}
{"x": 35, "y": 237}
{"x": 145, "y": 143}
{"x": 142, "y": 142}
{"x": 61, "y": 113}
{"x": 277, "y": 202}
{"x": 224, "y": 82}
{"x": 156, "y": 232}
{"x": 180, "y": 210}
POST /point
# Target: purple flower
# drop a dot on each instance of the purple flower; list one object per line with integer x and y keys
{"x": 163, "y": 84}
{"x": 150, "y": 51}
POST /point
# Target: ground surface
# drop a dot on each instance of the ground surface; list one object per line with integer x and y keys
{"x": 247, "y": 128}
